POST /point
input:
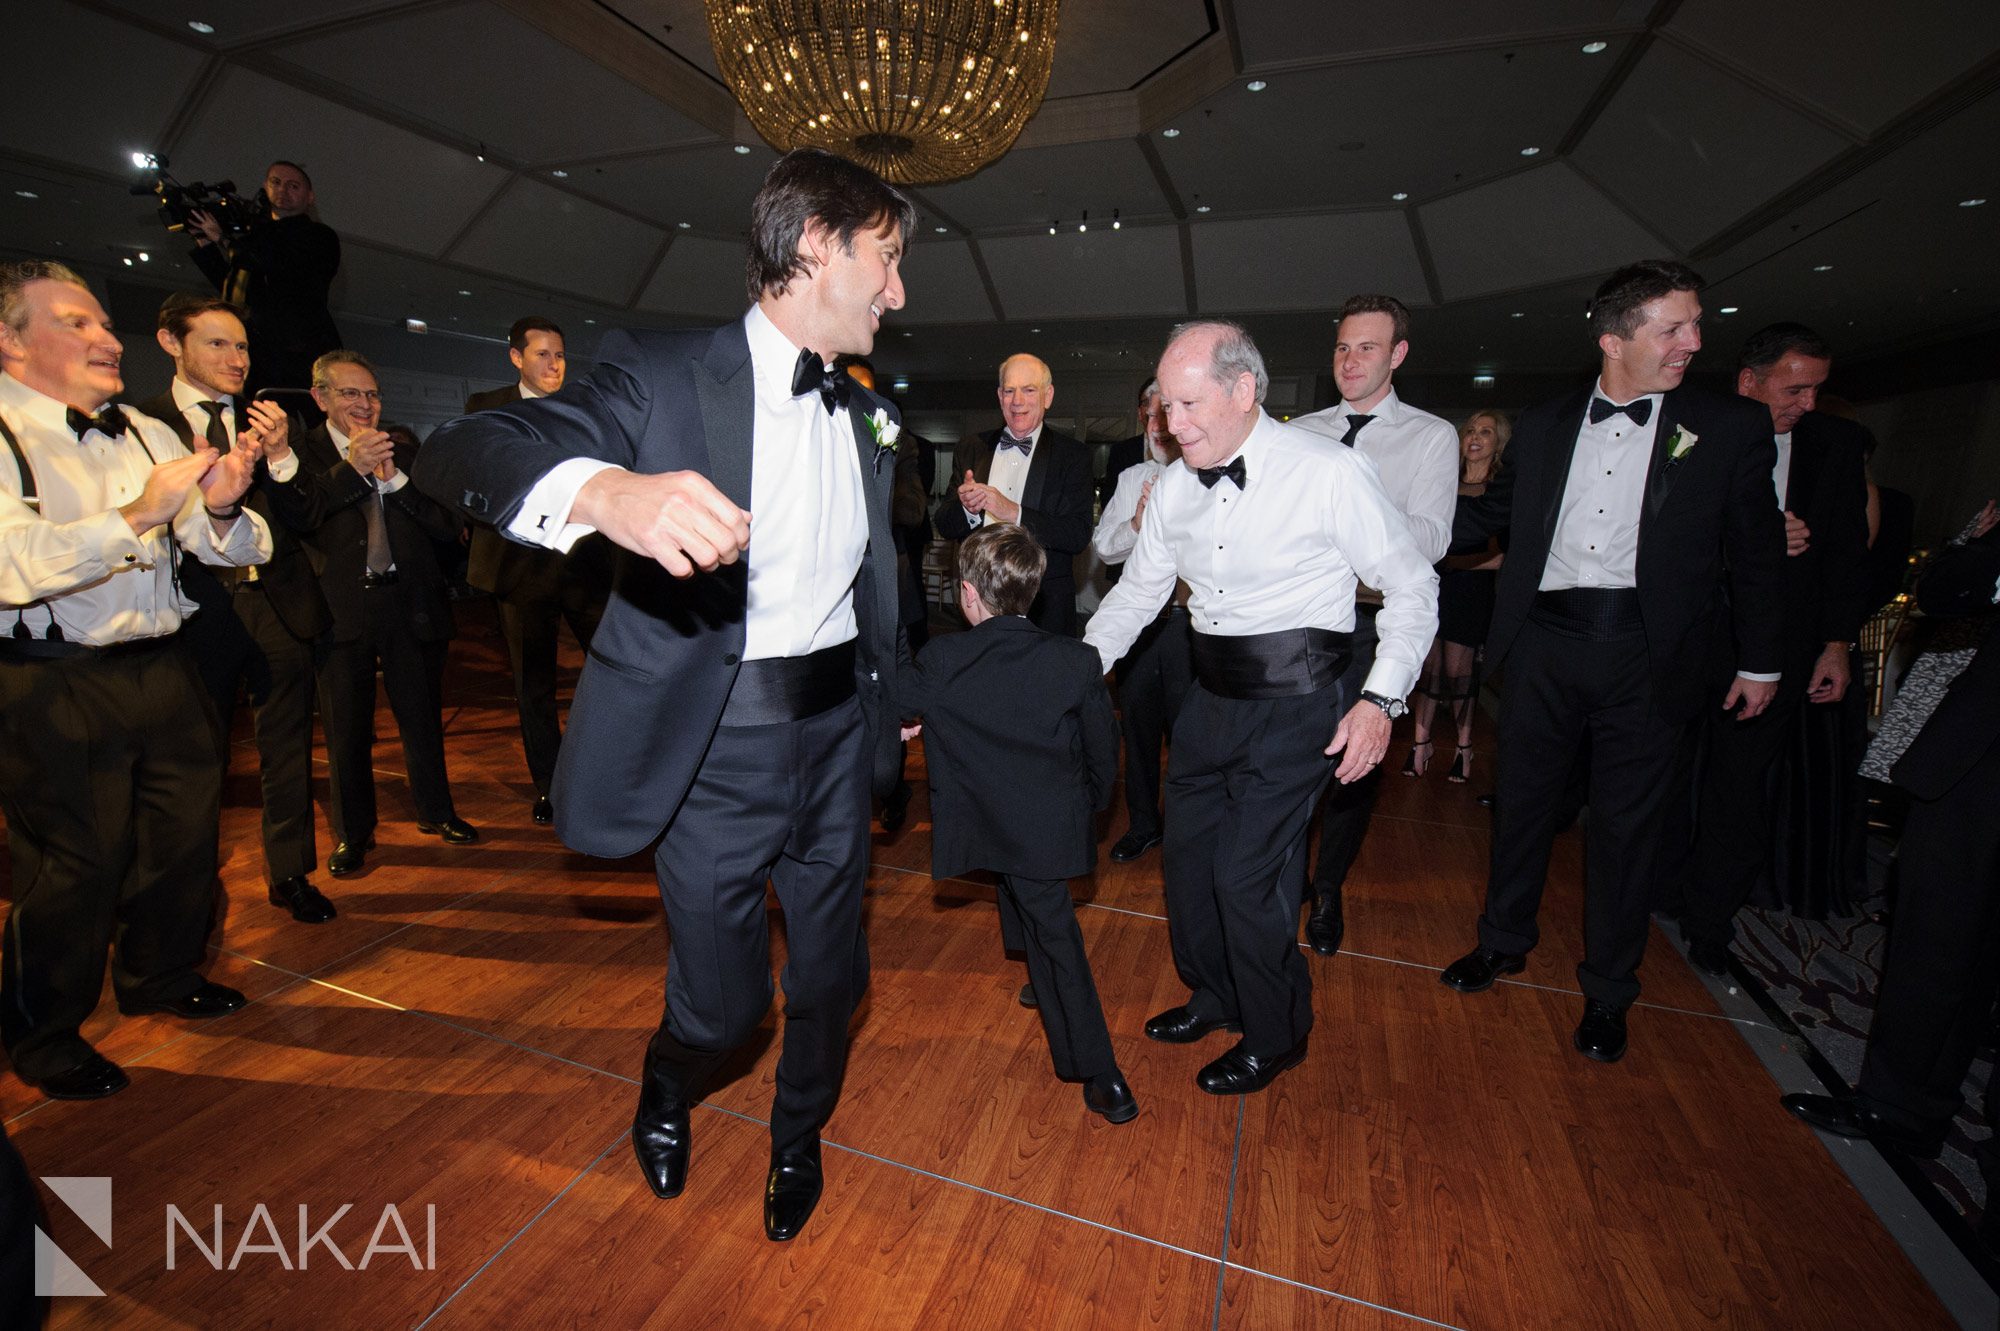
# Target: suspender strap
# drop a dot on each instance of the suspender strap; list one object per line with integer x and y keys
{"x": 29, "y": 495}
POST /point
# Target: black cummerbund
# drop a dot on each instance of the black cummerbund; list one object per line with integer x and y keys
{"x": 43, "y": 649}
{"x": 1270, "y": 665}
{"x": 1599, "y": 614}
{"x": 791, "y": 688}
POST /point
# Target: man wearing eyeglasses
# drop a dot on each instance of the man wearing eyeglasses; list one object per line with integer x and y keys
{"x": 368, "y": 534}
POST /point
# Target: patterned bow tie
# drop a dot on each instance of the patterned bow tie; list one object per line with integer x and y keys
{"x": 1603, "y": 409}
{"x": 813, "y": 374}
{"x": 1007, "y": 440}
{"x": 109, "y": 421}
{"x": 1210, "y": 475}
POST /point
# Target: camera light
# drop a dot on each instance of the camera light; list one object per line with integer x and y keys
{"x": 145, "y": 161}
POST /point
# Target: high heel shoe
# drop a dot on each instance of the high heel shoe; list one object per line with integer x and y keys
{"x": 1412, "y": 767}
{"x": 1461, "y": 765}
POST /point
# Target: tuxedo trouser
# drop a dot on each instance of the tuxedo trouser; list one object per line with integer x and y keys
{"x": 1153, "y": 680}
{"x": 413, "y": 677}
{"x": 252, "y": 647}
{"x": 785, "y": 803}
{"x": 1943, "y": 963}
{"x": 1561, "y": 693}
{"x": 531, "y": 625}
{"x": 1241, "y": 784}
{"x": 112, "y": 793}
{"x": 1345, "y": 811}
{"x": 1733, "y": 836}
{"x": 1044, "y": 919}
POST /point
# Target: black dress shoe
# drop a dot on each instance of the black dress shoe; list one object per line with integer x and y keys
{"x": 1325, "y": 927}
{"x": 92, "y": 1079}
{"x": 1601, "y": 1033}
{"x": 1484, "y": 801}
{"x": 1475, "y": 972}
{"x": 306, "y": 903}
{"x": 792, "y": 1190}
{"x": 1240, "y": 1073}
{"x": 452, "y": 831}
{"x": 1110, "y": 1096}
{"x": 1179, "y": 1026}
{"x": 1132, "y": 845}
{"x": 544, "y": 812}
{"x": 1709, "y": 956}
{"x": 210, "y": 1000}
{"x": 1846, "y": 1116}
{"x": 896, "y": 808}
{"x": 1028, "y": 998}
{"x": 348, "y": 857}
{"x": 660, "y": 1141}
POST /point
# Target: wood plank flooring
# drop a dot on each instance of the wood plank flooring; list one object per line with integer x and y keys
{"x": 462, "y": 1043}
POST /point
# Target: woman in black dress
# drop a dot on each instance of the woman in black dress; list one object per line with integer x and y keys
{"x": 1466, "y": 577}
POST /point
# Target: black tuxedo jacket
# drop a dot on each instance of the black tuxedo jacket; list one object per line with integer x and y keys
{"x": 1022, "y": 748}
{"x": 289, "y": 583}
{"x": 665, "y": 656}
{"x": 1826, "y": 587}
{"x": 322, "y": 503}
{"x": 1966, "y": 724}
{"x": 1055, "y": 507}
{"x": 507, "y": 569}
{"x": 1712, "y": 510}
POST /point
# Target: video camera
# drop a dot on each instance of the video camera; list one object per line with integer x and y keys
{"x": 231, "y": 210}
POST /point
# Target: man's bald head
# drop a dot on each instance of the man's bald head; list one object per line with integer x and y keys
{"x": 1026, "y": 391}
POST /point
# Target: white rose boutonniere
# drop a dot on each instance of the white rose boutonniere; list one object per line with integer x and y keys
{"x": 1681, "y": 444}
{"x": 886, "y": 432}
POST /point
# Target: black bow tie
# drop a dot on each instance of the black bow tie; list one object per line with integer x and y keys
{"x": 110, "y": 421}
{"x": 1603, "y": 409}
{"x": 1009, "y": 441}
{"x": 1210, "y": 475}
{"x": 831, "y": 382}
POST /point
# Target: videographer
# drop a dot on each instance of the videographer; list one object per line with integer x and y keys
{"x": 279, "y": 271}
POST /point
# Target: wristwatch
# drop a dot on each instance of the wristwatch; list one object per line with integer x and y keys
{"x": 1393, "y": 706}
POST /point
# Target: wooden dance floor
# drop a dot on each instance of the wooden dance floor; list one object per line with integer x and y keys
{"x": 462, "y": 1044}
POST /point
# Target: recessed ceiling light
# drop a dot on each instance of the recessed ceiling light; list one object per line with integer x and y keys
{"x": 1256, "y": 85}
{"x": 1970, "y": 203}
{"x": 1592, "y": 48}
{"x": 1529, "y": 152}
{"x": 203, "y": 28}
{"x": 415, "y": 326}
{"x": 1519, "y": 314}
{"x": 128, "y": 261}
{"x": 1729, "y": 309}
{"x": 1052, "y": 228}
{"x": 907, "y": 333}
{"x": 463, "y": 292}
{"x": 684, "y": 225}
{"x": 1400, "y": 195}
{"x": 590, "y": 321}
{"x": 1482, "y": 380}
{"x": 560, "y": 174}
{"x": 941, "y": 230}
{"x": 144, "y": 257}
{"x": 1170, "y": 133}
{"x": 1201, "y": 208}
{"x": 742, "y": 150}
{"x": 1822, "y": 268}
{"x": 26, "y": 194}
{"x": 1034, "y": 330}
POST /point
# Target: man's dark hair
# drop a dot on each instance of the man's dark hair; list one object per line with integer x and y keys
{"x": 1398, "y": 312}
{"x": 1616, "y": 306}
{"x": 1771, "y": 344}
{"x": 322, "y": 374}
{"x": 1004, "y": 563}
{"x": 294, "y": 166}
{"x": 517, "y": 336}
{"x": 179, "y": 311}
{"x": 811, "y": 184}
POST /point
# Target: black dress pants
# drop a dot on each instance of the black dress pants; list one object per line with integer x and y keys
{"x": 413, "y": 677}
{"x": 1038, "y": 913}
{"x": 110, "y": 784}
{"x": 1346, "y": 809}
{"x": 531, "y": 622}
{"x": 1241, "y": 784}
{"x": 1563, "y": 696}
{"x": 785, "y": 804}
{"x": 1732, "y": 805}
{"x": 1153, "y": 680}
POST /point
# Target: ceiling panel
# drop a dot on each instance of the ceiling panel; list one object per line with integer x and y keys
{"x": 1355, "y": 135}
{"x": 679, "y": 26}
{"x": 1693, "y": 149}
{"x": 239, "y": 21}
{"x": 1036, "y": 186}
{"x": 81, "y": 221}
{"x": 941, "y": 285}
{"x": 1865, "y": 82}
{"x": 1305, "y": 263}
{"x": 561, "y": 241}
{"x": 1288, "y": 31}
{"x": 1099, "y": 274}
{"x": 1539, "y": 226}
{"x": 700, "y": 279}
{"x": 356, "y": 161}
{"x": 710, "y": 188}
{"x": 383, "y": 286}
{"x": 95, "y": 89}
{"x": 585, "y": 110}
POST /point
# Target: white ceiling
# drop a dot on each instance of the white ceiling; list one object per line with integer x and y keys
{"x": 1755, "y": 141}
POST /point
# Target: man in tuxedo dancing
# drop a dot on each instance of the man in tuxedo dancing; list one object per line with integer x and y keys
{"x": 1626, "y": 501}
{"x": 739, "y": 695}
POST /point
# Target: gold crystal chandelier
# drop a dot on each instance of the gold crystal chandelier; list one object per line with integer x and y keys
{"x": 919, "y": 91}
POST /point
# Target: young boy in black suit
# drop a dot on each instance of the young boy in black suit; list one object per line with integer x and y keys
{"x": 1022, "y": 749}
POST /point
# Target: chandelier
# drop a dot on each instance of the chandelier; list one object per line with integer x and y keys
{"x": 918, "y": 91}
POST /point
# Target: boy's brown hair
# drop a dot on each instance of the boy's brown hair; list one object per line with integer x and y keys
{"x": 1004, "y": 563}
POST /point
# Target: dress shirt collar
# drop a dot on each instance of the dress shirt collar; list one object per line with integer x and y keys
{"x": 1388, "y": 411}
{"x": 527, "y": 394}
{"x": 37, "y": 407}
{"x": 1598, "y": 390}
{"x": 1252, "y": 445}
{"x": 339, "y": 439}
{"x": 187, "y": 397}
{"x": 773, "y": 357}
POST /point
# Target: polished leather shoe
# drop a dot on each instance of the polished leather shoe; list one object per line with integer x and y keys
{"x": 1846, "y": 1116}
{"x": 92, "y": 1079}
{"x": 792, "y": 1190}
{"x": 1110, "y": 1096}
{"x": 1475, "y": 972}
{"x": 1028, "y": 998}
{"x": 544, "y": 812}
{"x": 1601, "y": 1033}
{"x": 348, "y": 857}
{"x": 1709, "y": 956}
{"x": 1240, "y": 1073}
{"x": 210, "y": 1000}
{"x": 1132, "y": 845}
{"x": 1179, "y": 1026}
{"x": 660, "y": 1141}
{"x": 1325, "y": 927}
{"x": 453, "y": 831}
{"x": 307, "y": 903}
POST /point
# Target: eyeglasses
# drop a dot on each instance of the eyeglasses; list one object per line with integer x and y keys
{"x": 358, "y": 394}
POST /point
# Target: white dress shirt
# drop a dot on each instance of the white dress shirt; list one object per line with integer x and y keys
{"x": 1285, "y": 552}
{"x": 528, "y": 394}
{"x": 190, "y": 400}
{"x": 1782, "y": 476}
{"x": 1416, "y": 455}
{"x": 1114, "y": 538}
{"x": 809, "y": 515}
{"x": 77, "y": 555}
{"x": 1597, "y": 529}
{"x": 1008, "y": 474}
